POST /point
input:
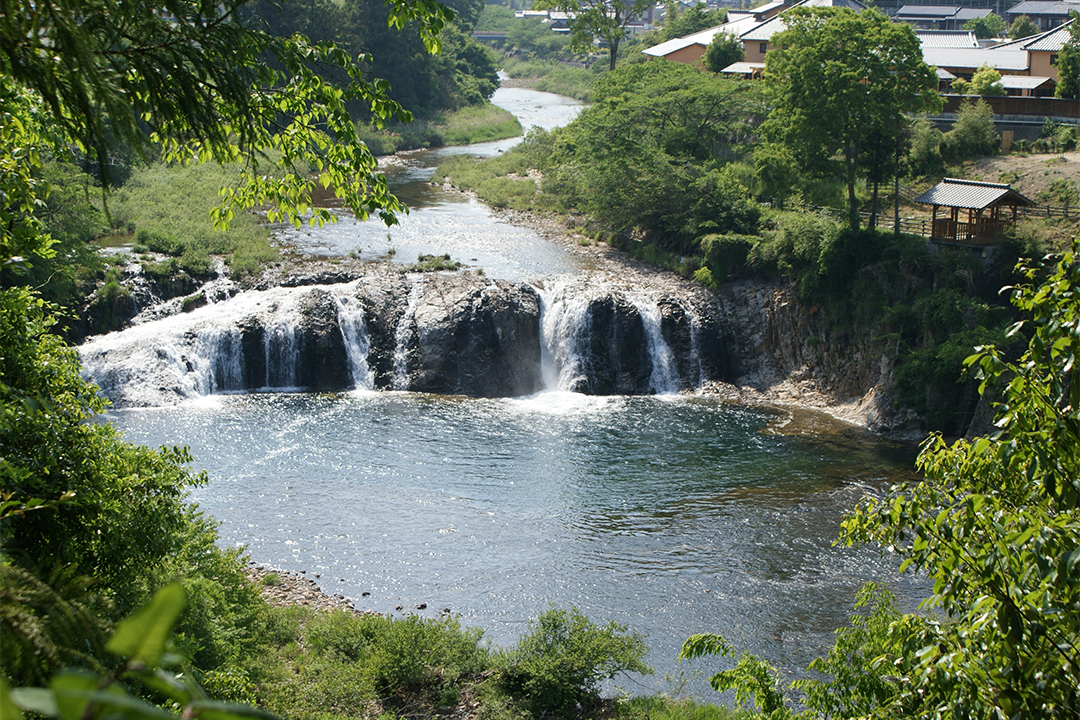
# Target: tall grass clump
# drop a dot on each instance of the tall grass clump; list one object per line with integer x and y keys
{"x": 479, "y": 123}
{"x": 168, "y": 209}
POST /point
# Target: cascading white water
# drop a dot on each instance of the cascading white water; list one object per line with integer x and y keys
{"x": 565, "y": 331}
{"x": 357, "y": 342}
{"x": 281, "y": 347}
{"x": 401, "y": 335}
{"x": 200, "y": 353}
{"x": 218, "y": 360}
{"x": 566, "y": 335}
{"x": 665, "y": 374}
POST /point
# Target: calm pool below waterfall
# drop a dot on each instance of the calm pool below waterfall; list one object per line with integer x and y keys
{"x": 673, "y": 515}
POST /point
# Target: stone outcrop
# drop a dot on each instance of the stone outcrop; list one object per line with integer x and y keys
{"x": 470, "y": 336}
{"x": 787, "y": 355}
{"x": 446, "y": 333}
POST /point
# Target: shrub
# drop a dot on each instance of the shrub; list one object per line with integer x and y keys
{"x": 973, "y": 134}
{"x": 704, "y": 277}
{"x": 158, "y": 241}
{"x": 424, "y": 655}
{"x": 925, "y": 154}
{"x": 725, "y": 254}
{"x": 564, "y": 656}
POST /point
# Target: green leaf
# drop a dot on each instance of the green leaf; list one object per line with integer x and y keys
{"x": 8, "y": 709}
{"x": 71, "y": 691}
{"x": 35, "y": 700}
{"x": 142, "y": 636}
{"x": 214, "y": 710}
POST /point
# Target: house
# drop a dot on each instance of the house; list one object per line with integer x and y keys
{"x": 690, "y": 49}
{"x": 947, "y": 38}
{"x": 1046, "y": 14}
{"x": 1043, "y": 50}
{"x": 938, "y": 17}
{"x": 991, "y": 211}
{"x": 1040, "y": 50}
{"x": 756, "y": 41}
{"x": 1028, "y": 85}
{"x": 963, "y": 62}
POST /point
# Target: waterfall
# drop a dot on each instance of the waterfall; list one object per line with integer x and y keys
{"x": 357, "y": 342}
{"x": 218, "y": 360}
{"x": 401, "y": 336}
{"x": 565, "y": 332}
{"x": 665, "y": 374}
{"x": 695, "y": 349}
{"x": 281, "y": 348}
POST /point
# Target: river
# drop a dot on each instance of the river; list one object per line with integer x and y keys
{"x": 444, "y": 221}
{"x": 672, "y": 514}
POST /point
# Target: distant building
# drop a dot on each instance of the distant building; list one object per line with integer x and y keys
{"x": 690, "y": 50}
{"x": 1046, "y": 14}
{"x": 947, "y": 39}
{"x": 938, "y": 17}
{"x": 756, "y": 41}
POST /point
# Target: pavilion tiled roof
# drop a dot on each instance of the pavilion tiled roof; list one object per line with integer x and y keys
{"x": 971, "y": 195}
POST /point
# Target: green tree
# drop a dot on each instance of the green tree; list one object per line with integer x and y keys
{"x": 194, "y": 84}
{"x": 690, "y": 21}
{"x": 95, "y": 80}
{"x": 996, "y": 525}
{"x": 1069, "y": 62}
{"x": 1022, "y": 27}
{"x": 835, "y": 77}
{"x": 973, "y": 133}
{"x": 991, "y": 26}
{"x": 645, "y": 156}
{"x": 985, "y": 81}
{"x": 724, "y": 50}
{"x": 604, "y": 20}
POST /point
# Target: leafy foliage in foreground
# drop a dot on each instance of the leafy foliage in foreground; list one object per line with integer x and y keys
{"x": 560, "y": 662}
{"x": 996, "y": 525}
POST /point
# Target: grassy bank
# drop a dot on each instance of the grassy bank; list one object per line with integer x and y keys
{"x": 471, "y": 124}
{"x": 554, "y": 77}
{"x": 167, "y": 210}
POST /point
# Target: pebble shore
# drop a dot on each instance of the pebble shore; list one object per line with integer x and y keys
{"x": 285, "y": 588}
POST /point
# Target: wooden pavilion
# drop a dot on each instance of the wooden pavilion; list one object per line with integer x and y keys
{"x": 991, "y": 211}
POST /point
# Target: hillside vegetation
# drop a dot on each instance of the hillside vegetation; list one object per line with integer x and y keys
{"x": 669, "y": 164}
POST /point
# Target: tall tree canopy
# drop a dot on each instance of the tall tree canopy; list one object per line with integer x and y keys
{"x": 695, "y": 19}
{"x": 95, "y": 80}
{"x": 1069, "y": 62}
{"x": 837, "y": 79}
{"x": 423, "y": 83}
{"x": 604, "y": 20}
{"x": 648, "y": 157}
{"x": 990, "y": 26}
{"x": 724, "y": 50}
{"x": 188, "y": 80}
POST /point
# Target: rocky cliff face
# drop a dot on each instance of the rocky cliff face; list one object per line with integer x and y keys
{"x": 376, "y": 327}
{"x": 470, "y": 336}
{"x": 788, "y": 355}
